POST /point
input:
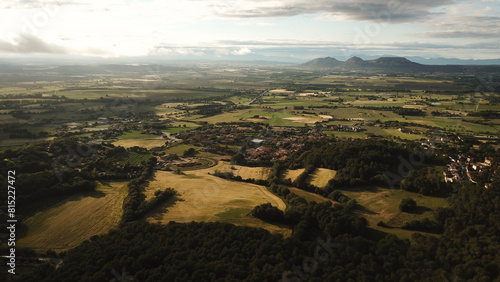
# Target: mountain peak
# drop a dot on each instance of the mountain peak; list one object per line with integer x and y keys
{"x": 393, "y": 61}
{"x": 354, "y": 62}
{"x": 327, "y": 62}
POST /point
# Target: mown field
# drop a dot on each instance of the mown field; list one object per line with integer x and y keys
{"x": 244, "y": 171}
{"x": 318, "y": 178}
{"x": 148, "y": 144}
{"x": 205, "y": 197}
{"x": 68, "y": 223}
{"x": 321, "y": 176}
{"x": 293, "y": 174}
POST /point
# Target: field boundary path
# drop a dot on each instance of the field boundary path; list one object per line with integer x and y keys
{"x": 262, "y": 94}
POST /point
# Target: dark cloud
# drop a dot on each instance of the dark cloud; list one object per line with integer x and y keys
{"x": 464, "y": 26}
{"x": 364, "y": 10}
{"x": 457, "y": 34}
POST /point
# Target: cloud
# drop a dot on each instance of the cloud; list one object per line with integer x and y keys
{"x": 242, "y": 51}
{"x": 183, "y": 51}
{"x": 28, "y": 43}
{"x": 464, "y": 22}
{"x": 254, "y": 24}
{"x": 29, "y": 4}
{"x": 456, "y": 34}
{"x": 364, "y": 10}
{"x": 305, "y": 50}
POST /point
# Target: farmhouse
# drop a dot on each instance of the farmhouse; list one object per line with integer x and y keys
{"x": 257, "y": 142}
{"x": 102, "y": 120}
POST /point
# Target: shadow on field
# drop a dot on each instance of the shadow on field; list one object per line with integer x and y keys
{"x": 52, "y": 203}
{"x": 57, "y": 201}
{"x": 364, "y": 210}
{"x": 371, "y": 189}
{"x": 158, "y": 212}
{"x": 420, "y": 210}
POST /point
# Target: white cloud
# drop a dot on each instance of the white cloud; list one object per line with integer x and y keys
{"x": 177, "y": 27}
{"x": 242, "y": 51}
{"x": 26, "y": 43}
{"x": 167, "y": 51}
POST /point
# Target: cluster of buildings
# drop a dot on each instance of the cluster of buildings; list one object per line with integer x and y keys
{"x": 466, "y": 169}
{"x": 346, "y": 128}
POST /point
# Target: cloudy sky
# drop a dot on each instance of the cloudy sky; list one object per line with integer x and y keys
{"x": 301, "y": 29}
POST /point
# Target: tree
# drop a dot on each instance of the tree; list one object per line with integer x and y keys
{"x": 238, "y": 159}
{"x": 268, "y": 212}
{"x": 191, "y": 152}
{"x": 407, "y": 205}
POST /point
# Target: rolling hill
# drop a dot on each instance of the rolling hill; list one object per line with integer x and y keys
{"x": 390, "y": 64}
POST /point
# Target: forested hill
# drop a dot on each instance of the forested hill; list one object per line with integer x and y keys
{"x": 390, "y": 64}
{"x": 218, "y": 251}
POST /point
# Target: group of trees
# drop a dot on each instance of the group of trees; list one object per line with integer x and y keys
{"x": 39, "y": 175}
{"x": 408, "y": 111}
{"x": 229, "y": 175}
{"x": 407, "y": 205}
{"x": 356, "y": 162}
{"x": 328, "y": 243}
{"x": 268, "y": 212}
{"x": 325, "y": 246}
{"x": 16, "y": 133}
{"x": 135, "y": 205}
{"x": 426, "y": 181}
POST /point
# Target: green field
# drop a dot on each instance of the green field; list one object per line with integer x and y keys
{"x": 133, "y": 158}
{"x": 135, "y": 134}
{"x": 382, "y": 204}
{"x": 310, "y": 197}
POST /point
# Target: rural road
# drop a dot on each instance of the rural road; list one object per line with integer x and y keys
{"x": 262, "y": 94}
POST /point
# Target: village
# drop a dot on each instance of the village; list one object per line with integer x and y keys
{"x": 256, "y": 143}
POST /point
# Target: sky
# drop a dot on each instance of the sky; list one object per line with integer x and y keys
{"x": 298, "y": 29}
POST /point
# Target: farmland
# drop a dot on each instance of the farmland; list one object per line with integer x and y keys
{"x": 382, "y": 204}
{"x": 66, "y": 224}
{"x": 243, "y": 171}
{"x": 321, "y": 176}
{"x": 232, "y": 143}
{"x": 145, "y": 143}
{"x": 208, "y": 198}
{"x": 293, "y": 174}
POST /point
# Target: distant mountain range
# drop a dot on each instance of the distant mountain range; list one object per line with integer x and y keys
{"x": 397, "y": 64}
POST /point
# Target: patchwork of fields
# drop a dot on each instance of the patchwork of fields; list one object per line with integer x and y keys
{"x": 313, "y": 101}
